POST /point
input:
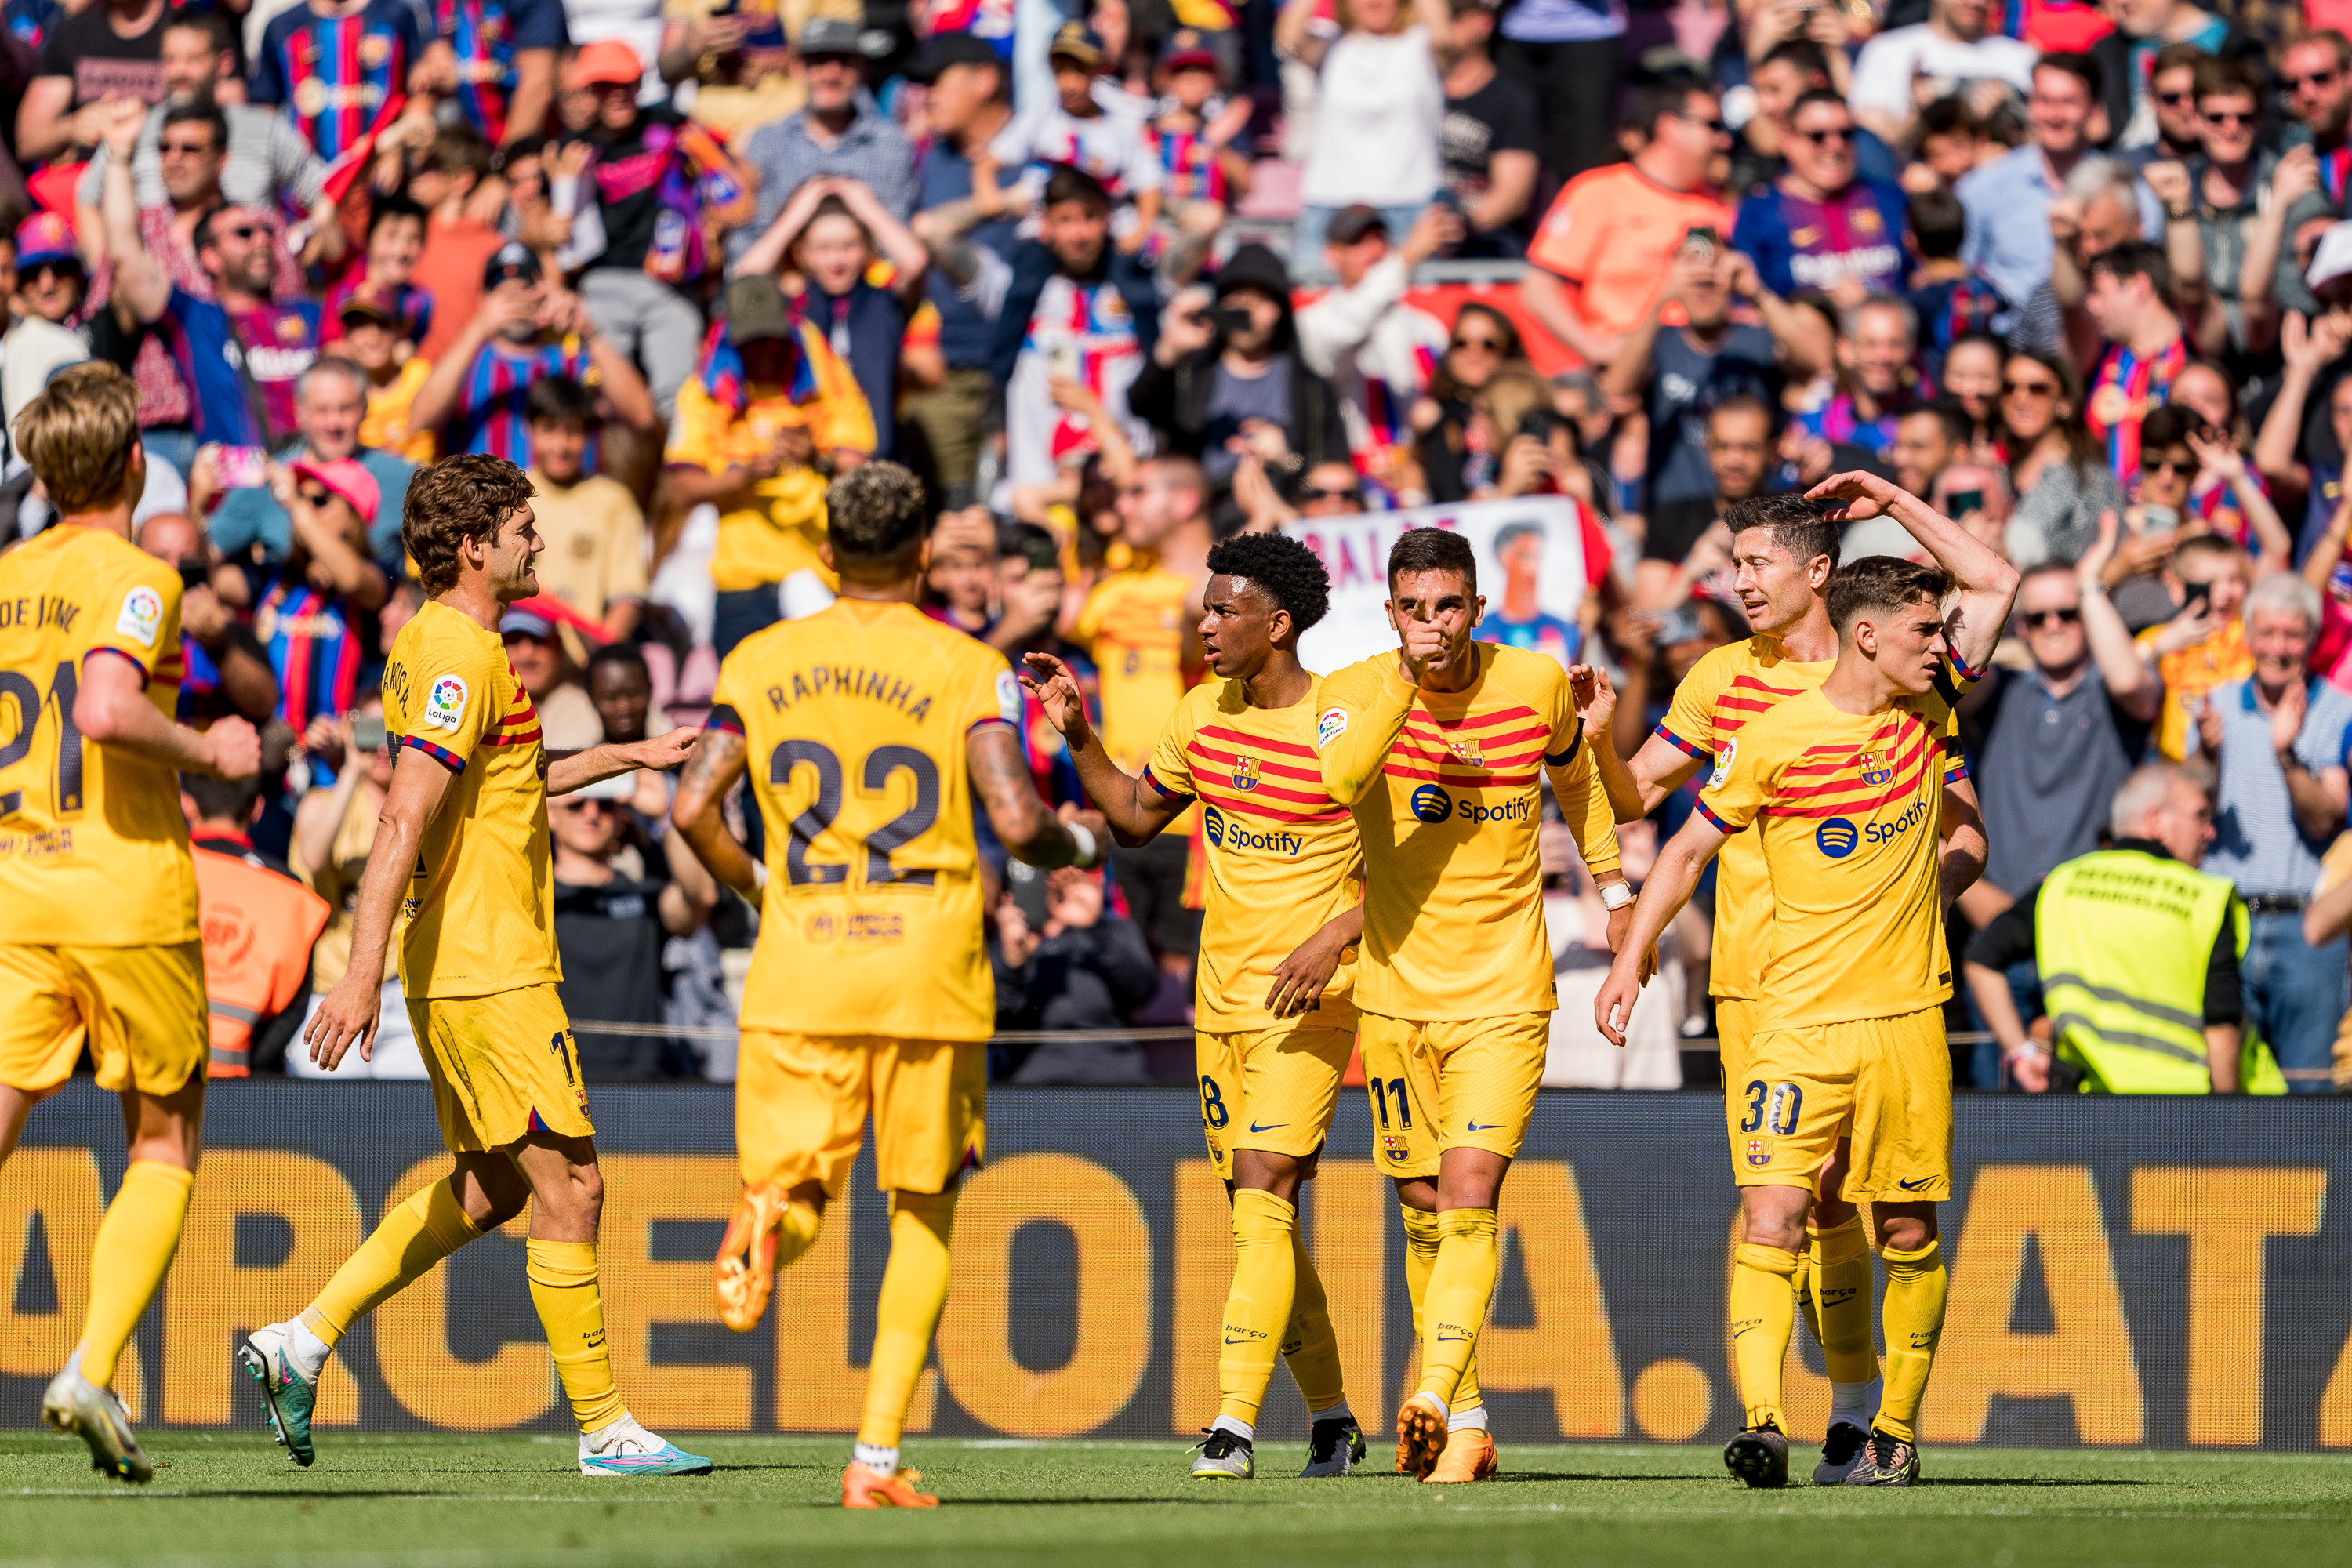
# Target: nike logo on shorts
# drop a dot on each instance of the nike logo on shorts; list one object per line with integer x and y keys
{"x": 1915, "y": 1186}
{"x": 1268, "y": 1127}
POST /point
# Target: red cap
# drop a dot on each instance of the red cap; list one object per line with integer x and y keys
{"x": 606, "y": 61}
{"x": 346, "y": 478}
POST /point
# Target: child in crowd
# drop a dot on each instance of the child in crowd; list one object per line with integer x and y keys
{"x": 1075, "y": 130}
{"x": 1196, "y": 129}
{"x": 396, "y": 239}
{"x": 1951, "y": 301}
{"x": 385, "y": 346}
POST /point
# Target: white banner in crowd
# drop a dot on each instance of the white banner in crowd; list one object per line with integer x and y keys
{"x": 1530, "y": 568}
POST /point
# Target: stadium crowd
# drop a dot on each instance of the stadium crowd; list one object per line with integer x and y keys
{"x": 1120, "y": 282}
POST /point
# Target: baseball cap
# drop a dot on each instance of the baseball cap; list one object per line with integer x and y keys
{"x": 525, "y": 624}
{"x": 755, "y": 310}
{"x": 364, "y": 309}
{"x": 1353, "y": 224}
{"x": 45, "y": 236}
{"x": 1076, "y": 41}
{"x": 2334, "y": 258}
{"x": 1187, "y": 48}
{"x": 829, "y": 35}
{"x": 607, "y": 60}
{"x": 942, "y": 50}
{"x": 347, "y": 477}
{"x": 513, "y": 260}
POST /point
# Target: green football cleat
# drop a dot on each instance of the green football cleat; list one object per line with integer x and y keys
{"x": 1886, "y": 1461}
{"x": 76, "y": 1407}
{"x": 1334, "y": 1447}
{"x": 1225, "y": 1457}
{"x": 286, "y": 1395}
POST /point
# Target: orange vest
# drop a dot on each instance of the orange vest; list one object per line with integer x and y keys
{"x": 259, "y": 927}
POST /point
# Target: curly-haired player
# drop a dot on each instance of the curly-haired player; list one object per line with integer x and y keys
{"x": 462, "y": 851}
{"x": 1275, "y": 1023}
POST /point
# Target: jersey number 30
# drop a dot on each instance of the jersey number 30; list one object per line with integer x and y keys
{"x": 874, "y": 778}
{"x": 66, "y": 794}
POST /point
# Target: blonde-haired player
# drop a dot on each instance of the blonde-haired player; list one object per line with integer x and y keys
{"x": 869, "y": 728}
{"x": 1440, "y": 748}
{"x": 98, "y": 942}
{"x": 1845, "y": 784}
{"x": 462, "y": 855}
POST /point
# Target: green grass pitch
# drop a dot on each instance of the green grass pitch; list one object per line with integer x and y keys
{"x": 517, "y": 1501}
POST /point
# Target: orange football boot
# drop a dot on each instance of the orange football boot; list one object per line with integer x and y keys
{"x": 745, "y": 1271}
{"x": 861, "y": 1488}
{"x": 1469, "y": 1456}
{"x": 1421, "y": 1435}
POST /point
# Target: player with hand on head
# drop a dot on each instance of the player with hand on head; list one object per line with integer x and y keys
{"x": 1274, "y": 1024}
{"x": 872, "y": 728}
{"x": 1845, "y": 785}
{"x": 1439, "y": 749}
{"x": 99, "y": 939}
{"x": 1786, "y": 547}
{"x": 463, "y": 854}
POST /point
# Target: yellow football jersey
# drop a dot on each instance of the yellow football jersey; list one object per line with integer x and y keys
{"x": 93, "y": 849}
{"x": 1282, "y": 852}
{"x": 1133, "y": 625}
{"x": 855, "y": 720}
{"x": 1849, "y": 806}
{"x": 481, "y": 910}
{"x": 1723, "y": 692}
{"x": 1447, "y": 794}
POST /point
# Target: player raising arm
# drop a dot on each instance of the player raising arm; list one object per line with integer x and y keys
{"x": 99, "y": 939}
{"x": 871, "y": 728}
{"x": 1844, "y": 781}
{"x": 463, "y": 852}
{"x": 1439, "y": 749}
{"x": 1274, "y": 1024}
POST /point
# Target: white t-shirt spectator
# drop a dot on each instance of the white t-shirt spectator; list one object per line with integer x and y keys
{"x": 1112, "y": 147}
{"x": 1078, "y": 332}
{"x": 1377, "y": 120}
{"x": 637, "y": 23}
{"x": 1883, "y": 76}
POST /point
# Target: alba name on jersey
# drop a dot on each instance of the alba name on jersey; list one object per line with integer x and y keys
{"x": 855, "y": 722}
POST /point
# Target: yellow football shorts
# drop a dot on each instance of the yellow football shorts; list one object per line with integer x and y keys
{"x": 1269, "y": 1089}
{"x": 1460, "y": 1083}
{"x": 1889, "y": 1080}
{"x": 802, "y": 1101}
{"x": 141, "y": 1008}
{"x": 503, "y": 1066}
{"x": 1735, "y": 1026}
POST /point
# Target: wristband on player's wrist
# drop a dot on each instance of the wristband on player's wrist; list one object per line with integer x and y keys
{"x": 1616, "y": 896}
{"x": 759, "y": 876}
{"x": 1090, "y": 852}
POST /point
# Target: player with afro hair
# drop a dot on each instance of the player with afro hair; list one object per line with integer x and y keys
{"x": 1278, "y": 566}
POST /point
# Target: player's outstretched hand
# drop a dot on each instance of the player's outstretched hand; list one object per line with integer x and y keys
{"x": 1861, "y": 496}
{"x": 667, "y": 752}
{"x": 347, "y": 1016}
{"x": 1300, "y": 979}
{"x": 1049, "y": 680}
{"x": 1612, "y": 1007}
{"x": 1595, "y": 696}
{"x": 237, "y": 749}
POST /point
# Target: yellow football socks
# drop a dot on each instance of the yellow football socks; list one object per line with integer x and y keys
{"x": 1461, "y": 1284}
{"x": 914, "y": 1288}
{"x": 134, "y": 1247}
{"x": 1763, "y": 1316}
{"x": 1915, "y": 1288}
{"x": 1840, "y": 1300}
{"x": 413, "y": 1238}
{"x": 1420, "y": 1260}
{"x": 1309, "y": 1344}
{"x": 571, "y": 1313}
{"x": 1257, "y": 1312}
{"x": 797, "y": 1232}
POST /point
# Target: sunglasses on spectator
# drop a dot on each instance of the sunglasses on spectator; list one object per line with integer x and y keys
{"x": 1488, "y": 345}
{"x": 2177, "y": 99}
{"x": 2029, "y": 389}
{"x": 44, "y": 271}
{"x": 2316, "y": 78}
{"x": 314, "y": 497}
{"x": 249, "y": 230}
{"x": 590, "y": 805}
{"x": 2226, "y": 116}
{"x": 2036, "y": 619}
{"x": 2158, "y": 463}
{"x": 1843, "y": 134}
{"x": 1715, "y": 125}
{"x": 1316, "y": 493}
{"x": 191, "y": 149}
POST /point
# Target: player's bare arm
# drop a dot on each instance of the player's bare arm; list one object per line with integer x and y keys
{"x": 1592, "y": 819}
{"x": 710, "y": 772}
{"x": 111, "y": 709}
{"x": 1028, "y": 827}
{"x": 569, "y": 770}
{"x": 1596, "y": 704}
{"x": 1669, "y": 887}
{"x": 1300, "y": 978}
{"x": 1961, "y": 860}
{"x": 1135, "y": 811}
{"x": 348, "y": 1015}
{"x": 1988, "y": 585}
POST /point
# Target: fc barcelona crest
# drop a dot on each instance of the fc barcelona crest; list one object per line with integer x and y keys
{"x": 1874, "y": 769}
{"x": 1245, "y": 772}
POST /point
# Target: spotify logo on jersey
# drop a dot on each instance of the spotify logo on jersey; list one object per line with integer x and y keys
{"x": 1212, "y": 825}
{"x": 1836, "y": 837}
{"x": 1432, "y": 804}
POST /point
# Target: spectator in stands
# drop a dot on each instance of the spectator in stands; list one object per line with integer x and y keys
{"x": 838, "y": 132}
{"x": 2130, "y": 299}
{"x": 1483, "y": 341}
{"x": 827, "y": 238}
{"x": 1783, "y": 72}
{"x": 1080, "y": 969}
{"x": 749, "y": 433}
{"x": 1490, "y": 138}
{"x": 1373, "y": 345}
{"x": 1566, "y": 52}
{"x": 1200, "y": 130}
{"x": 1030, "y": 584}
{"x": 610, "y": 925}
{"x": 1076, "y": 132}
{"x": 1877, "y": 344}
{"x": 1970, "y": 377}
{"x": 225, "y": 671}
{"x": 1928, "y": 439}
{"x": 1819, "y": 225}
{"x": 311, "y": 612}
{"x": 1953, "y": 50}
{"x": 1596, "y": 259}
{"x": 259, "y": 927}
{"x": 2204, "y": 647}
{"x": 970, "y": 101}
{"x": 1948, "y": 301}
{"x": 2225, "y": 192}
{"x": 2172, "y": 94}
{"x": 548, "y": 675}
{"x": 330, "y": 408}
{"x": 2143, "y": 29}
{"x": 2310, "y": 491}
{"x": 2279, "y": 737}
{"x": 332, "y": 77}
{"x": 526, "y": 329}
{"x": 377, "y": 342}
{"x": 497, "y": 64}
{"x": 1219, "y": 393}
{"x": 2316, "y": 71}
{"x": 1686, "y": 548}
{"x": 91, "y": 61}
{"x": 445, "y": 178}
{"x": 387, "y": 273}
{"x": 51, "y": 283}
{"x": 1379, "y": 107}
{"x": 2101, "y": 209}
{"x": 595, "y": 556}
{"x": 2056, "y": 467}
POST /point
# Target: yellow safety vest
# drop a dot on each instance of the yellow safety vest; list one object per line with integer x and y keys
{"x": 2122, "y": 938}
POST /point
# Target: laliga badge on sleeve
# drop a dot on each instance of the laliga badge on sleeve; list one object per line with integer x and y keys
{"x": 141, "y": 619}
{"x": 1330, "y": 726}
{"x": 1008, "y": 697}
{"x": 444, "y": 703}
{"x": 1723, "y": 760}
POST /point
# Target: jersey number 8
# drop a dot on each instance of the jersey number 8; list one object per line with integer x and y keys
{"x": 817, "y": 817}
